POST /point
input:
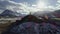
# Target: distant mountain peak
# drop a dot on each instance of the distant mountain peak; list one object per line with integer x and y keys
{"x": 10, "y": 13}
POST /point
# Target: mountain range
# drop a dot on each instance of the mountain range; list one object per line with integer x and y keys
{"x": 9, "y": 13}
{"x": 53, "y": 14}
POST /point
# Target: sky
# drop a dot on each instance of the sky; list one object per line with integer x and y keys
{"x": 26, "y": 6}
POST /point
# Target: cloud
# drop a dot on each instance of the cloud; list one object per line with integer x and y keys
{"x": 24, "y": 7}
{"x": 14, "y": 6}
{"x": 57, "y": 5}
{"x": 58, "y": 1}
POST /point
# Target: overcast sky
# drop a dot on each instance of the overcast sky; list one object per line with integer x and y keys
{"x": 26, "y": 6}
